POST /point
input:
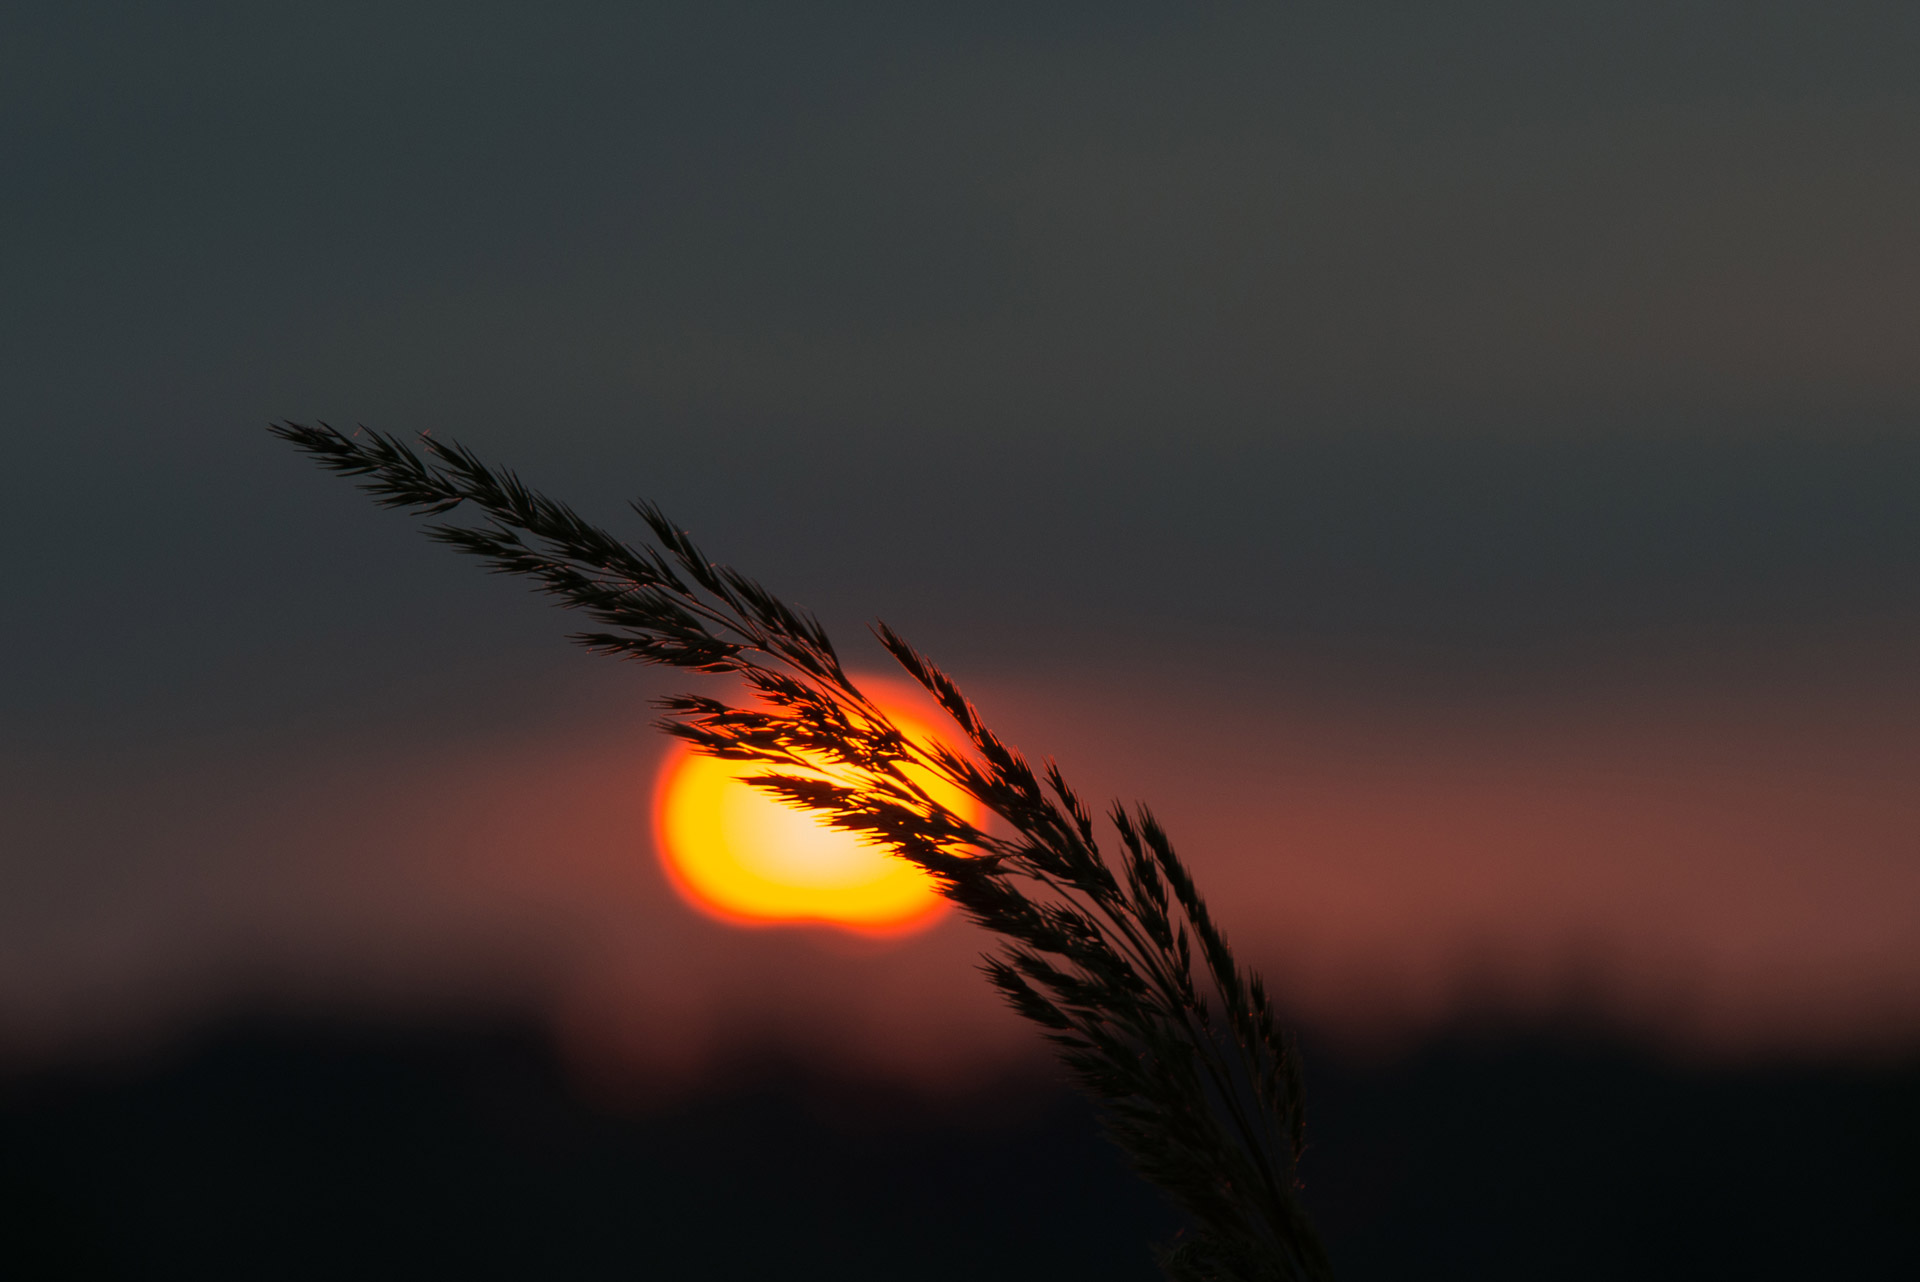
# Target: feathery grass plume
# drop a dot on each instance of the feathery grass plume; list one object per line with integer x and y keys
{"x": 1116, "y": 958}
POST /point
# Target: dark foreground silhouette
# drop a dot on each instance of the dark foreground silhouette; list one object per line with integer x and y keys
{"x": 289, "y": 1151}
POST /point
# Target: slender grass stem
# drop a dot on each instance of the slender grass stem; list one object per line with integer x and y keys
{"x": 1208, "y": 1109}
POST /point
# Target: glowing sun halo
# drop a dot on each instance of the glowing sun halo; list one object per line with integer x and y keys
{"x": 736, "y": 853}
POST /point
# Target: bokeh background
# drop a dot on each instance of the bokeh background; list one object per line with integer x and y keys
{"x": 1460, "y": 464}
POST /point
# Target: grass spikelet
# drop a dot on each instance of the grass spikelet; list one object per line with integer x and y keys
{"x": 1195, "y": 1079}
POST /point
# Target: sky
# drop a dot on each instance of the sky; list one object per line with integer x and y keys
{"x": 1458, "y": 465}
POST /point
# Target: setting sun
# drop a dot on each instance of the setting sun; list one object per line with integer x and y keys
{"x": 737, "y": 853}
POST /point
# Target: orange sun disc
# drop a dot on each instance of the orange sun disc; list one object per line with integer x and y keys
{"x": 738, "y": 853}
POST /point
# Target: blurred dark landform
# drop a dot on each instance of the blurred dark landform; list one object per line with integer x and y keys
{"x": 289, "y": 1150}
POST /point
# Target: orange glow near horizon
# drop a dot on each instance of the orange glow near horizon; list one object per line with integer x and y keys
{"x": 737, "y": 853}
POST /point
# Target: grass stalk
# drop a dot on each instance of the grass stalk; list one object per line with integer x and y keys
{"x": 1195, "y": 1078}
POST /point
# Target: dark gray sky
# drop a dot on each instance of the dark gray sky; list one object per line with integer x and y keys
{"x": 1422, "y": 355}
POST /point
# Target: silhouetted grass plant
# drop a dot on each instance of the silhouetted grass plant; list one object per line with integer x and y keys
{"x": 1115, "y": 957}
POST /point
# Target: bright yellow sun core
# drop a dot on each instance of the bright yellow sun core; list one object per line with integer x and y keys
{"x": 736, "y": 852}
